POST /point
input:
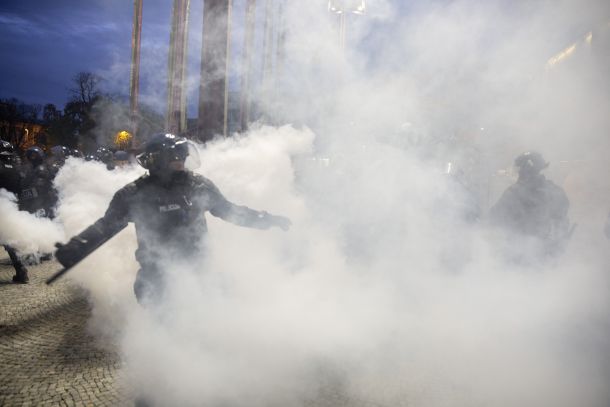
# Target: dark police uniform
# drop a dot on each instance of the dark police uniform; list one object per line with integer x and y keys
{"x": 169, "y": 217}
{"x": 534, "y": 207}
{"x": 10, "y": 179}
{"x": 37, "y": 194}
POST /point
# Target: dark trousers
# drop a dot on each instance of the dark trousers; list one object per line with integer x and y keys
{"x": 20, "y": 270}
{"x": 149, "y": 285}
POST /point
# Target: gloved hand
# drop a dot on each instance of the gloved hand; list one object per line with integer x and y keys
{"x": 70, "y": 253}
{"x": 281, "y": 222}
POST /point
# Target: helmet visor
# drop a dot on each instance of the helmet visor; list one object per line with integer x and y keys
{"x": 183, "y": 151}
{"x": 193, "y": 159}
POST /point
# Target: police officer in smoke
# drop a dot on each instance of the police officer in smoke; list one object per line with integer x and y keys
{"x": 534, "y": 207}
{"x": 10, "y": 179}
{"x": 10, "y": 175}
{"x": 57, "y": 158}
{"x": 105, "y": 156}
{"x": 167, "y": 206}
{"x": 37, "y": 194}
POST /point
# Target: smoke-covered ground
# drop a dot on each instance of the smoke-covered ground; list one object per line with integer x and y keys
{"x": 381, "y": 294}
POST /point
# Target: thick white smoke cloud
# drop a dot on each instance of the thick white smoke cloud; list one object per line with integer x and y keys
{"x": 381, "y": 294}
{"x": 274, "y": 318}
{"x": 24, "y": 231}
{"x": 85, "y": 189}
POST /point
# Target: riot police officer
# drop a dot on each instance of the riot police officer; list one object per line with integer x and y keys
{"x": 10, "y": 179}
{"x": 37, "y": 194}
{"x": 105, "y": 156}
{"x": 75, "y": 152}
{"x": 534, "y": 206}
{"x": 121, "y": 158}
{"x": 58, "y": 156}
{"x": 167, "y": 206}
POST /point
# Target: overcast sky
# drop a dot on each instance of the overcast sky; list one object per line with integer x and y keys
{"x": 43, "y": 44}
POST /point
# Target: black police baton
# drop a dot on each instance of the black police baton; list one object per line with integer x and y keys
{"x": 58, "y": 274}
{"x": 86, "y": 252}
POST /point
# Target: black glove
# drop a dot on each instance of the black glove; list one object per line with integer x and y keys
{"x": 281, "y": 222}
{"x": 70, "y": 253}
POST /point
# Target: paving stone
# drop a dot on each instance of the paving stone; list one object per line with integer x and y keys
{"x": 47, "y": 356}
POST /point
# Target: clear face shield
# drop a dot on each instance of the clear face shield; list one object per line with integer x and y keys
{"x": 193, "y": 159}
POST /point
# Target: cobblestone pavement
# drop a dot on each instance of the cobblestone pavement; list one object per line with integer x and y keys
{"x": 48, "y": 359}
{"x": 46, "y": 356}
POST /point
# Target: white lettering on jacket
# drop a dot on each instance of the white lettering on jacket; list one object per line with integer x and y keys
{"x": 169, "y": 208}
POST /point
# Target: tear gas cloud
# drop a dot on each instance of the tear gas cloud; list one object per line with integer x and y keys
{"x": 24, "y": 231}
{"x": 381, "y": 294}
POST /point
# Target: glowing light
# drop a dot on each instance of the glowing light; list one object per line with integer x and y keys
{"x": 122, "y": 138}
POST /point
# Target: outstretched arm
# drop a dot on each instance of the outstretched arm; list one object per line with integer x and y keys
{"x": 244, "y": 216}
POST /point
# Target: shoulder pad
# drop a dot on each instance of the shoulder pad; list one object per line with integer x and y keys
{"x": 132, "y": 187}
{"x": 201, "y": 181}
{"x": 140, "y": 181}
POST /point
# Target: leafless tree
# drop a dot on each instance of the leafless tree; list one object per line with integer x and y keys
{"x": 85, "y": 88}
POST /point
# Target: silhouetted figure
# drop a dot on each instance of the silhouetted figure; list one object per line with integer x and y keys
{"x": 10, "y": 179}
{"x": 121, "y": 158}
{"x": 105, "y": 156}
{"x": 37, "y": 194}
{"x": 167, "y": 207}
{"x": 57, "y": 158}
{"x": 534, "y": 208}
{"x": 75, "y": 152}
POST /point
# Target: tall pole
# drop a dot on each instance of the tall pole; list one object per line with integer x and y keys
{"x": 244, "y": 105}
{"x": 342, "y": 8}
{"x": 281, "y": 42}
{"x": 213, "y": 91}
{"x": 134, "y": 74}
{"x": 176, "y": 95}
{"x": 268, "y": 43}
{"x": 342, "y": 23}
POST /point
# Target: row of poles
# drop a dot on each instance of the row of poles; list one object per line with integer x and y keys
{"x": 213, "y": 87}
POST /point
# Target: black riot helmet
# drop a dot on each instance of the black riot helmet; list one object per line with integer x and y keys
{"x": 35, "y": 155}
{"x": 121, "y": 155}
{"x": 7, "y": 150}
{"x": 163, "y": 149}
{"x": 59, "y": 153}
{"x": 75, "y": 152}
{"x": 104, "y": 155}
{"x": 530, "y": 163}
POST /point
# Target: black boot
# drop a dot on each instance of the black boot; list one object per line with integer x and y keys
{"x": 21, "y": 273}
{"x": 21, "y": 279}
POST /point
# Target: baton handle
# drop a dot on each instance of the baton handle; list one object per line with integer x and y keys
{"x": 57, "y": 274}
